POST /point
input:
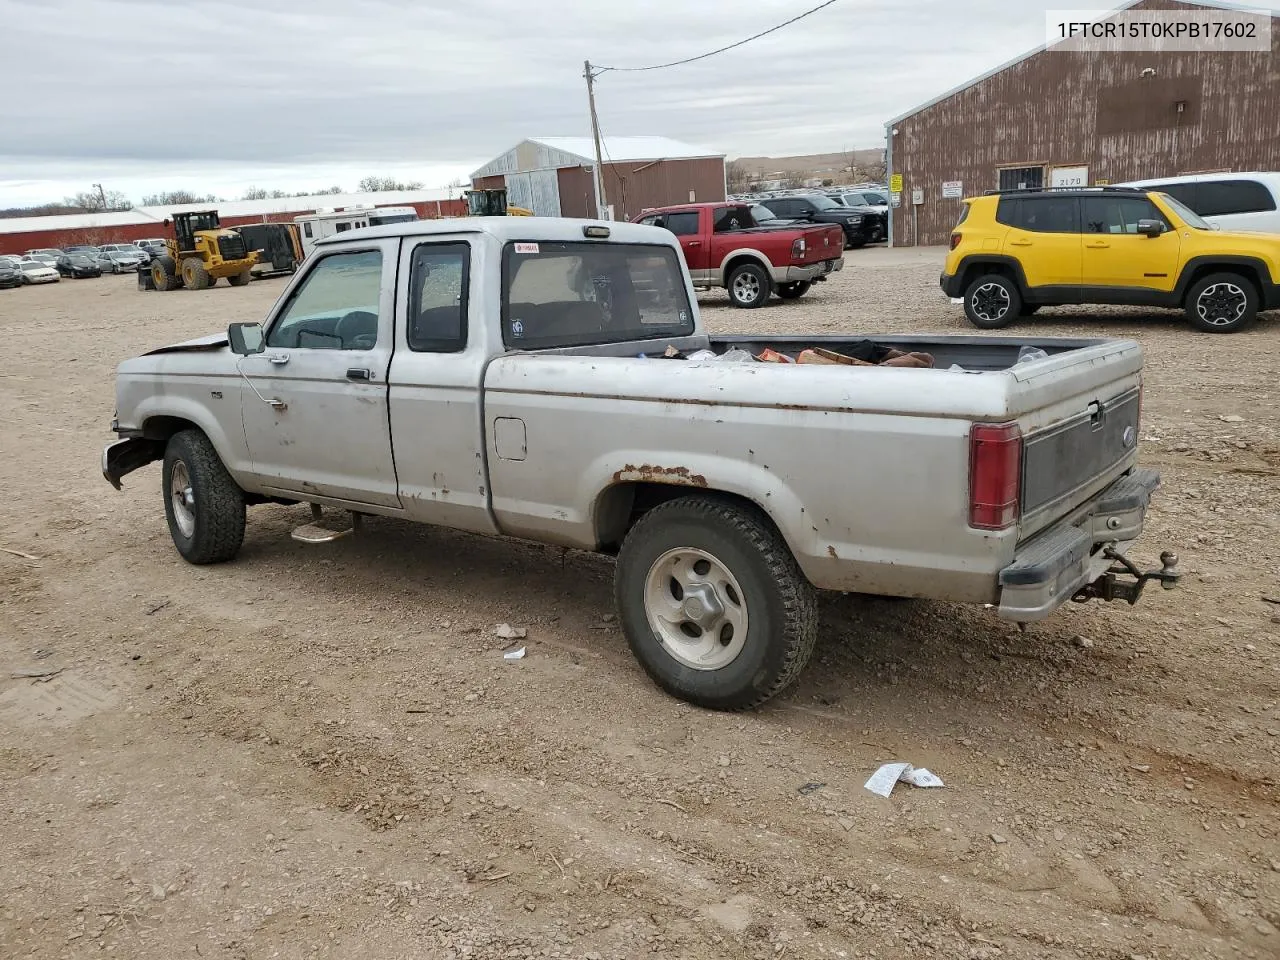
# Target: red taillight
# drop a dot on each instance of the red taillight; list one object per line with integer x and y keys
{"x": 995, "y": 475}
{"x": 797, "y": 249}
{"x": 955, "y": 239}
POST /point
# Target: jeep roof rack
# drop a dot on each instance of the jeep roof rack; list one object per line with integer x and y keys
{"x": 1097, "y": 189}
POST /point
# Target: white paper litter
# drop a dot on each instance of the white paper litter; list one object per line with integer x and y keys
{"x": 882, "y": 781}
{"x": 516, "y": 654}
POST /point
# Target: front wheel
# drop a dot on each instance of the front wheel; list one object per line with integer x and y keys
{"x": 240, "y": 279}
{"x": 992, "y": 301}
{"x": 713, "y": 604}
{"x": 1222, "y": 303}
{"x": 204, "y": 506}
{"x": 793, "y": 291}
{"x": 749, "y": 285}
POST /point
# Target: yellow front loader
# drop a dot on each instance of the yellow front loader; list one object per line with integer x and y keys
{"x": 492, "y": 203}
{"x": 201, "y": 253}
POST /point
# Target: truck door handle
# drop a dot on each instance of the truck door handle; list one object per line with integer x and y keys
{"x": 358, "y": 373}
{"x": 1098, "y": 245}
{"x": 695, "y": 243}
{"x": 278, "y": 358}
{"x": 1019, "y": 243}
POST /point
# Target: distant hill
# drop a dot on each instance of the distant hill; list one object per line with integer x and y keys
{"x": 813, "y": 164}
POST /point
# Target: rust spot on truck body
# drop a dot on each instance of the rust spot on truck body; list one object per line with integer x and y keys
{"x": 648, "y": 473}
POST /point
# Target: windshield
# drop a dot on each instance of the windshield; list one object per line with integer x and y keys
{"x": 378, "y": 220}
{"x": 33, "y": 265}
{"x": 824, "y": 203}
{"x": 1189, "y": 216}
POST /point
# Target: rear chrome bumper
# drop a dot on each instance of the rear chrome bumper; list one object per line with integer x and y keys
{"x": 1084, "y": 559}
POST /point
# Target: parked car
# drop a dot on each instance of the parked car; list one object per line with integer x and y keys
{"x": 37, "y": 271}
{"x": 48, "y": 255}
{"x": 79, "y": 265}
{"x": 1232, "y": 201}
{"x": 860, "y": 227}
{"x": 10, "y": 273}
{"x": 1014, "y": 253}
{"x": 861, "y": 197}
{"x": 156, "y": 248}
{"x": 120, "y": 261}
{"x": 724, "y": 246}
{"x": 129, "y": 250}
{"x": 536, "y": 352}
{"x": 82, "y": 248}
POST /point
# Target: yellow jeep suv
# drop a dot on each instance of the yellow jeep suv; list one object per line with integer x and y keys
{"x": 1013, "y": 253}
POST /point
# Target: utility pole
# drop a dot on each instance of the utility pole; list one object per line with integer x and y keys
{"x": 602, "y": 207}
{"x": 102, "y": 196}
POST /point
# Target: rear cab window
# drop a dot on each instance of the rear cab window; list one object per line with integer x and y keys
{"x": 566, "y": 294}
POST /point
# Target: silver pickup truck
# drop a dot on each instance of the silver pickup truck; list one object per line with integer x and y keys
{"x": 507, "y": 376}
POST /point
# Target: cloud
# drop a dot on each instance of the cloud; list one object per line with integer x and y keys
{"x": 239, "y": 92}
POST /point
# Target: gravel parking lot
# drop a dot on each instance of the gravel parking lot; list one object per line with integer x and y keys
{"x": 320, "y": 751}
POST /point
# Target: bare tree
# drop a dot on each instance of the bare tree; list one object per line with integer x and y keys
{"x": 175, "y": 197}
{"x": 93, "y": 201}
{"x": 737, "y": 176}
{"x": 384, "y": 184}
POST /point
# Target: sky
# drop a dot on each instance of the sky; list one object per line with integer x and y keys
{"x": 150, "y": 95}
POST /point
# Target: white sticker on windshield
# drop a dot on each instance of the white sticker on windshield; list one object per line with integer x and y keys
{"x": 526, "y": 248}
{"x": 517, "y": 329}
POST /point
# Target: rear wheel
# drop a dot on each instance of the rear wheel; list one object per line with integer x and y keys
{"x": 240, "y": 279}
{"x": 793, "y": 291}
{"x": 194, "y": 275}
{"x": 992, "y": 301}
{"x": 204, "y": 506}
{"x": 749, "y": 285}
{"x": 713, "y": 604}
{"x": 164, "y": 273}
{"x": 1222, "y": 303}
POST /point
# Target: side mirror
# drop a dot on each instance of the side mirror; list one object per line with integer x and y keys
{"x": 1151, "y": 228}
{"x": 246, "y": 338}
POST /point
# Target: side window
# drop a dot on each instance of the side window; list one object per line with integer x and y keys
{"x": 729, "y": 219}
{"x": 341, "y": 226}
{"x": 1220, "y": 197}
{"x": 802, "y": 207}
{"x": 653, "y": 220}
{"x": 1111, "y": 214}
{"x": 1007, "y": 211}
{"x": 336, "y": 308}
{"x": 438, "y": 297}
{"x": 306, "y": 229}
{"x": 1048, "y": 214}
{"x": 782, "y": 209}
{"x": 683, "y": 224}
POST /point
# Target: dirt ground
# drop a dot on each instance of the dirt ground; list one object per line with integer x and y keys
{"x": 320, "y": 751}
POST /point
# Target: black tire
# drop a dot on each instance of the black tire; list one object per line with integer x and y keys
{"x": 794, "y": 291}
{"x": 992, "y": 301}
{"x": 194, "y": 275}
{"x": 749, "y": 285}
{"x": 240, "y": 279}
{"x": 778, "y": 604}
{"x": 1222, "y": 303}
{"x": 164, "y": 273}
{"x": 214, "y": 510}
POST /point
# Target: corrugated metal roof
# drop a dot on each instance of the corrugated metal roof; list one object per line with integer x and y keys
{"x": 538, "y": 153}
{"x": 233, "y": 208}
{"x": 1101, "y": 15}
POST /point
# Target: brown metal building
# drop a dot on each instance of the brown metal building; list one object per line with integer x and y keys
{"x": 1052, "y": 118}
{"x": 554, "y": 176}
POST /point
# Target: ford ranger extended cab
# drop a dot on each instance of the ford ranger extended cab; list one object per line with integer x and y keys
{"x": 509, "y": 376}
{"x": 724, "y": 246}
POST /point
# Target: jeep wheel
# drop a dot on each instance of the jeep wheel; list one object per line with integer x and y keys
{"x": 713, "y": 604}
{"x": 992, "y": 301}
{"x": 204, "y": 506}
{"x": 1222, "y": 303}
{"x": 749, "y": 285}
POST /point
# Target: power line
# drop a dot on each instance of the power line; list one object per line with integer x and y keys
{"x": 703, "y": 56}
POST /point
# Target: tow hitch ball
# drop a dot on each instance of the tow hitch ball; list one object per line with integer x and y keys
{"x": 1109, "y": 586}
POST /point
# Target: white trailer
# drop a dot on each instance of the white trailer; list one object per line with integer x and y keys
{"x": 326, "y": 223}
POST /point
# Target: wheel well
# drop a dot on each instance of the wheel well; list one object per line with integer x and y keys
{"x": 1248, "y": 271}
{"x": 620, "y": 506}
{"x": 739, "y": 260}
{"x": 162, "y": 428}
{"x": 972, "y": 271}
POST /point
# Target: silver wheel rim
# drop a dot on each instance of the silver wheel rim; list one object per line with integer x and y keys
{"x": 990, "y": 302}
{"x": 183, "y": 498}
{"x": 1221, "y": 304}
{"x": 746, "y": 286}
{"x": 696, "y": 608}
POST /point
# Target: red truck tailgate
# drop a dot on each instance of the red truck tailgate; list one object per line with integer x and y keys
{"x": 822, "y": 242}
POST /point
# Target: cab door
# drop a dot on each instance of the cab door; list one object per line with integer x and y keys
{"x": 1116, "y": 255}
{"x": 687, "y": 225}
{"x": 1045, "y": 240}
{"x": 317, "y": 420}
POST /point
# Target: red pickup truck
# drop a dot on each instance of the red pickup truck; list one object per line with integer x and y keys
{"x": 725, "y": 247}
